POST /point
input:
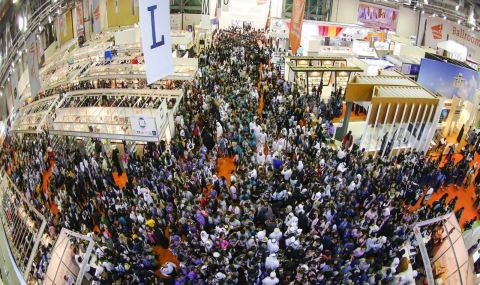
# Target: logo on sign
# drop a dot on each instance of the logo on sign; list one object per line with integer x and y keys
{"x": 155, "y": 44}
{"x": 141, "y": 123}
{"x": 437, "y": 31}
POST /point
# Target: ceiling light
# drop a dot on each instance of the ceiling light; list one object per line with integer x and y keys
{"x": 457, "y": 7}
{"x": 425, "y": 1}
{"x": 473, "y": 28}
{"x": 423, "y": 11}
{"x": 444, "y": 17}
{"x": 459, "y": 21}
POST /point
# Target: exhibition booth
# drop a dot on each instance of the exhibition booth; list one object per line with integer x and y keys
{"x": 401, "y": 114}
{"x": 458, "y": 86}
{"x": 443, "y": 251}
{"x": 132, "y": 115}
{"x": 310, "y": 71}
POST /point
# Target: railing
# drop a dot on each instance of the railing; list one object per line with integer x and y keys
{"x": 23, "y": 225}
{"x": 38, "y": 16}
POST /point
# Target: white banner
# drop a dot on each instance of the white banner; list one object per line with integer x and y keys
{"x": 32, "y": 62}
{"x": 439, "y": 30}
{"x": 156, "y": 39}
{"x": 143, "y": 126}
{"x": 96, "y": 16}
{"x": 14, "y": 82}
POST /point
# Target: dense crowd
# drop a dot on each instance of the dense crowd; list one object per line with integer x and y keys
{"x": 294, "y": 209}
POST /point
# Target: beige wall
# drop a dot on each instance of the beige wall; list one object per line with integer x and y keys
{"x": 407, "y": 22}
{"x": 344, "y": 11}
{"x": 121, "y": 16}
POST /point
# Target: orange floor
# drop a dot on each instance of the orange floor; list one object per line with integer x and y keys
{"x": 466, "y": 195}
{"x": 46, "y": 189}
{"x": 353, "y": 118}
{"x": 225, "y": 166}
{"x": 120, "y": 181}
{"x": 165, "y": 255}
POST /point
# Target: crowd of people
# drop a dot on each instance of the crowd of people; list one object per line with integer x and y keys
{"x": 294, "y": 210}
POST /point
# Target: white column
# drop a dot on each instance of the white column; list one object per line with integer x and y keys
{"x": 434, "y": 125}
{"x": 383, "y": 129}
{"x": 374, "y": 126}
{"x": 390, "y": 131}
{"x": 426, "y": 132}
{"x": 418, "y": 137}
{"x": 413, "y": 127}
{"x": 365, "y": 131}
{"x": 400, "y": 126}
{"x": 406, "y": 129}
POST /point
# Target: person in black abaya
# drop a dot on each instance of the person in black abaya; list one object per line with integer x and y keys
{"x": 460, "y": 134}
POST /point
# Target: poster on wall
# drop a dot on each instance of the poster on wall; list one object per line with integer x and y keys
{"x": 378, "y": 17}
{"x": 143, "y": 126}
{"x": 63, "y": 24}
{"x": 14, "y": 83}
{"x": 80, "y": 26}
{"x": 32, "y": 63}
{"x": 156, "y": 38}
{"x": 438, "y": 30}
{"x": 96, "y": 16}
{"x": 296, "y": 23}
{"x": 448, "y": 79}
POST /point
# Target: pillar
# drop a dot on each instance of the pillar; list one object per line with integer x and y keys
{"x": 342, "y": 131}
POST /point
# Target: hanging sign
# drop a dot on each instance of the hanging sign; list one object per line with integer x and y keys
{"x": 156, "y": 39}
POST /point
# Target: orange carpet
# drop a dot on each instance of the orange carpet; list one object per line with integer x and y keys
{"x": 46, "y": 189}
{"x": 165, "y": 255}
{"x": 260, "y": 104}
{"x": 120, "y": 181}
{"x": 466, "y": 195}
{"x": 225, "y": 166}
{"x": 353, "y": 118}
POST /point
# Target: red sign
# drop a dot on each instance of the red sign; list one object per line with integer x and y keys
{"x": 437, "y": 32}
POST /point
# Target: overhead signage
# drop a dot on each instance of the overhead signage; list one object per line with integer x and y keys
{"x": 377, "y": 16}
{"x": 96, "y": 16}
{"x": 156, "y": 38}
{"x": 143, "y": 126}
{"x": 438, "y": 30}
{"x": 296, "y": 23}
{"x": 32, "y": 63}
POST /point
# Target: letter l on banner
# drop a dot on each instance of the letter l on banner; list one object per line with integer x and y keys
{"x": 156, "y": 39}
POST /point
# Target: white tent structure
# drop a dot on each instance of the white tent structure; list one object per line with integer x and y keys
{"x": 448, "y": 262}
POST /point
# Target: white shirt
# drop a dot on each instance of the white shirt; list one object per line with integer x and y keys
{"x": 271, "y": 262}
{"x": 270, "y": 281}
{"x": 287, "y": 174}
{"x": 261, "y": 159}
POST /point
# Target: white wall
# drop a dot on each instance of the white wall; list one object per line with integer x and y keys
{"x": 407, "y": 24}
{"x": 244, "y": 10}
{"x": 344, "y": 11}
{"x": 188, "y": 19}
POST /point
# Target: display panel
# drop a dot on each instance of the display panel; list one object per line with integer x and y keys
{"x": 376, "y": 16}
{"x": 448, "y": 79}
